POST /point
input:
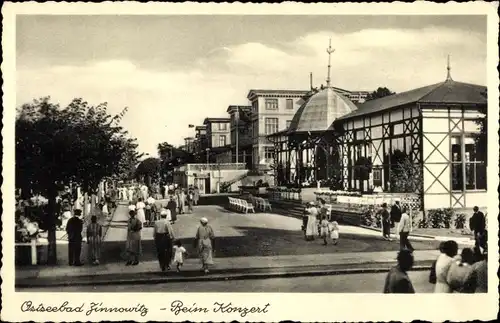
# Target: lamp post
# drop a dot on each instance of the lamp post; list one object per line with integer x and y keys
{"x": 237, "y": 119}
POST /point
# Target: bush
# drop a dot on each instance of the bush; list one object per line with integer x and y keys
{"x": 438, "y": 218}
{"x": 371, "y": 217}
{"x": 460, "y": 219}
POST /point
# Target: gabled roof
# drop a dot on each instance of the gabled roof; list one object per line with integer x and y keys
{"x": 447, "y": 92}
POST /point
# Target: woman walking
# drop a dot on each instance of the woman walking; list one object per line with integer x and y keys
{"x": 94, "y": 239}
{"x": 311, "y": 228}
{"x": 133, "y": 245}
{"x": 140, "y": 209}
{"x": 196, "y": 195}
{"x": 205, "y": 242}
{"x": 443, "y": 264}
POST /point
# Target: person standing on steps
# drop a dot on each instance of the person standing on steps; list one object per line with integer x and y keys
{"x": 404, "y": 229}
{"x": 74, "y": 229}
{"x": 172, "y": 206}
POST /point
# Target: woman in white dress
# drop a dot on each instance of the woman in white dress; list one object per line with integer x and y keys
{"x": 443, "y": 263}
{"x": 140, "y": 209}
{"x": 312, "y": 224}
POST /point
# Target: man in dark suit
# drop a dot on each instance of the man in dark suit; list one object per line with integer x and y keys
{"x": 74, "y": 229}
{"x": 395, "y": 214}
{"x": 477, "y": 224}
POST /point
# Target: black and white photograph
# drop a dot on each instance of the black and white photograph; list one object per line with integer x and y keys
{"x": 188, "y": 158}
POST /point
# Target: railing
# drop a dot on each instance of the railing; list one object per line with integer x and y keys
{"x": 215, "y": 166}
{"x": 280, "y": 194}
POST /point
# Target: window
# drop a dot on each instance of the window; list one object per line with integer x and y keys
{"x": 271, "y": 104}
{"x": 397, "y": 129}
{"x": 468, "y": 165}
{"x": 289, "y": 104}
{"x": 377, "y": 177}
{"x": 288, "y": 123}
{"x": 271, "y": 125}
{"x": 222, "y": 140}
{"x": 360, "y": 135}
{"x": 269, "y": 154}
{"x": 222, "y": 126}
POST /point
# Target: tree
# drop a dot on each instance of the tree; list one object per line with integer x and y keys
{"x": 149, "y": 171}
{"x": 406, "y": 177}
{"x": 379, "y": 93}
{"x": 80, "y": 144}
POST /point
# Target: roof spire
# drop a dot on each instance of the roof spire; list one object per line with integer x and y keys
{"x": 448, "y": 67}
{"x": 329, "y": 50}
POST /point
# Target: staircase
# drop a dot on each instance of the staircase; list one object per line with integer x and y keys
{"x": 226, "y": 185}
{"x": 294, "y": 209}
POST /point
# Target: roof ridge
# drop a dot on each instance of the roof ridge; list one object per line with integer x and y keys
{"x": 438, "y": 85}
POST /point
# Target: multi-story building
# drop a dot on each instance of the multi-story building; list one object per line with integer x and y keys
{"x": 272, "y": 111}
{"x": 189, "y": 142}
{"x": 217, "y": 132}
{"x": 241, "y": 134}
{"x": 200, "y": 142}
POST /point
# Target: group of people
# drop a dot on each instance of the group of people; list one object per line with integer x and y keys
{"x": 168, "y": 248}
{"x": 317, "y": 221}
{"x": 450, "y": 273}
{"x": 399, "y": 219}
{"x": 94, "y": 232}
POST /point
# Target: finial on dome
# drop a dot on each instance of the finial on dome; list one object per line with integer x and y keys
{"x": 448, "y": 67}
{"x": 329, "y": 50}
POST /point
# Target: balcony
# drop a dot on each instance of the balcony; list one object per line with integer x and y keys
{"x": 216, "y": 166}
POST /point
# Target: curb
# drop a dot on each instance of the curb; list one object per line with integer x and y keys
{"x": 419, "y": 235}
{"x": 374, "y": 268}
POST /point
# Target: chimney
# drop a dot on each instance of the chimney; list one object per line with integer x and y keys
{"x": 311, "y": 80}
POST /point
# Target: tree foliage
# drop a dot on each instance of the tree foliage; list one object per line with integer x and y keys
{"x": 379, "y": 93}
{"x": 80, "y": 144}
{"x": 149, "y": 170}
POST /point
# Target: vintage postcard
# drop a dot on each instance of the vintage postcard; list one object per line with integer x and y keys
{"x": 250, "y": 162}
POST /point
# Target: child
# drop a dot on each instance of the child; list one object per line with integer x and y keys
{"x": 334, "y": 231}
{"x": 324, "y": 229}
{"x": 179, "y": 251}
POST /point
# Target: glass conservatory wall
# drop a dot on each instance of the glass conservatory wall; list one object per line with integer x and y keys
{"x": 385, "y": 139}
{"x": 454, "y": 166}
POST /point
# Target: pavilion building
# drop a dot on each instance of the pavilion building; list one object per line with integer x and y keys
{"x": 423, "y": 141}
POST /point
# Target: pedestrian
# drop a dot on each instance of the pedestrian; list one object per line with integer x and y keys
{"x": 179, "y": 252}
{"x": 311, "y": 229}
{"x": 477, "y": 224}
{"x": 133, "y": 245}
{"x": 404, "y": 229}
{"x": 386, "y": 222}
{"x": 334, "y": 231}
{"x": 182, "y": 200}
{"x": 196, "y": 195}
{"x": 140, "y": 208}
{"x": 459, "y": 272}
{"x": 104, "y": 209}
{"x": 324, "y": 233}
{"x": 74, "y": 229}
{"x": 190, "y": 201}
{"x": 396, "y": 213}
{"x": 305, "y": 216}
{"x": 150, "y": 201}
{"x": 163, "y": 236}
{"x": 478, "y": 278}
{"x": 172, "y": 206}
{"x": 443, "y": 263}
{"x": 322, "y": 212}
{"x": 131, "y": 193}
{"x": 94, "y": 239}
{"x": 397, "y": 280}
{"x": 205, "y": 242}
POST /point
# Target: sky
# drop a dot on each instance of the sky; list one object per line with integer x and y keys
{"x": 172, "y": 71}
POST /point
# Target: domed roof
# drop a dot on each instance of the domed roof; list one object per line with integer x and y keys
{"x": 320, "y": 111}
